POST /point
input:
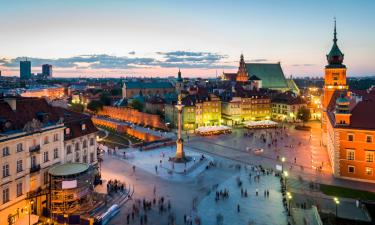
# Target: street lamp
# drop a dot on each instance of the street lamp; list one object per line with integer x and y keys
{"x": 286, "y": 174}
{"x": 31, "y": 206}
{"x": 289, "y": 196}
{"x": 337, "y": 202}
{"x": 282, "y": 163}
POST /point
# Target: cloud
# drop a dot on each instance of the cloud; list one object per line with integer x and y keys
{"x": 307, "y": 64}
{"x": 131, "y": 53}
{"x": 187, "y": 59}
{"x": 258, "y": 60}
{"x": 182, "y": 59}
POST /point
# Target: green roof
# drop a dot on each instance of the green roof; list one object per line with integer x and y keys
{"x": 292, "y": 85}
{"x": 271, "y": 74}
{"x": 144, "y": 85}
{"x": 67, "y": 169}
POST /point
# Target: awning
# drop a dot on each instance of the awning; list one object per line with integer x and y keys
{"x": 25, "y": 220}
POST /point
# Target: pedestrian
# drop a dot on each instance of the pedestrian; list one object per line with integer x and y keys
{"x": 154, "y": 192}
{"x": 238, "y": 208}
{"x": 133, "y": 168}
{"x": 156, "y": 169}
{"x": 127, "y": 219}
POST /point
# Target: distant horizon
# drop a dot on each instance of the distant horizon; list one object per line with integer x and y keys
{"x": 155, "y": 38}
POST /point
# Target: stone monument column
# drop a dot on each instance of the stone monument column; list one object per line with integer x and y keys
{"x": 180, "y": 155}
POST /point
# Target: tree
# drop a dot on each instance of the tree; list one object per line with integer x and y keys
{"x": 105, "y": 98}
{"x": 303, "y": 114}
{"x": 76, "y": 107}
{"x": 95, "y": 106}
{"x": 136, "y": 104}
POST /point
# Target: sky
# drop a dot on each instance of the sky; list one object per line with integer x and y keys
{"x": 118, "y": 38}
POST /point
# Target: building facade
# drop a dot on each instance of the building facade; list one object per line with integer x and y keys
{"x": 348, "y": 124}
{"x": 33, "y": 138}
{"x": 285, "y": 107}
{"x": 47, "y": 70}
{"x": 146, "y": 88}
{"x": 25, "y": 70}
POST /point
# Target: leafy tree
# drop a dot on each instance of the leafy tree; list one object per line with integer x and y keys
{"x": 136, "y": 104}
{"x": 95, "y": 106}
{"x": 115, "y": 91}
{"x": 303, "y": 115}
{"x": 76, "y": 107}
{"x": 105, "y": 98}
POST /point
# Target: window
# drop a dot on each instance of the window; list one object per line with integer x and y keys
{"x": 77, "y": 146}
{"x": 67, "y": 131}
{"x": 56, "y": 153}
{"x": 91, "y": 141}
{"x": 350, "y": 137}
{"x": 84, "y": 159}
{"x": 33, "y": 161}
{"x": 19, "y": 189}
{"x": 55, "y": 137}
{"x": 369, "y": 171}
{"x": 5, "y": 195}
{"x": 68, "y": 149}
{"x": 19, "y": 166}
{"x": 351, "y": 169}
{"x": 46, "y": 141}
{"x": 350, "y": 154}
{"x": 19, "y": 147}
{"x": 368, "y": 138}
{"x": 84, "y": 145}
{"x": 77, "y": 157}
{"x": 91, "y": 157}
{"x": 6, "y": 151}
{"x": 369, "y": 156}
{"x": 45, "y": 156}
{"x": 45, "y": 177}
{"x": 6, "y": 170}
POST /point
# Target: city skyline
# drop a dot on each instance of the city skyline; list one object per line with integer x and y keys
{"x": 111, "y": 40}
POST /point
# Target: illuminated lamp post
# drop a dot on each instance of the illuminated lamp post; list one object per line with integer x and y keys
{"x": 282, "y": 164}
{"x": 337, "y": 202}
{"x": 289, "y": 196}
{"x": 30, "y": 208}
{"x": 285, "y": 178}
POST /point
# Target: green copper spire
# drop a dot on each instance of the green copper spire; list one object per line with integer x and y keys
{"x": 335, "y": 57}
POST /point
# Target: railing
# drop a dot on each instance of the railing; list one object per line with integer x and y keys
{"x": 34, "y": 168}
{"x": 35, "y": 148}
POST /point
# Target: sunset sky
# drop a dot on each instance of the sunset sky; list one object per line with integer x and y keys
{"x": 154, "y": 38}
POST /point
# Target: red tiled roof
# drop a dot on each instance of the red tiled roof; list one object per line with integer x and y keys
{"x": 28, "y": 108}
{"x": 362, "y": 112}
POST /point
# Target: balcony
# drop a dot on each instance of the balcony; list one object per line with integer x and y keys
{"x": 35, "y": 148}
{"x": 34, "y": 168}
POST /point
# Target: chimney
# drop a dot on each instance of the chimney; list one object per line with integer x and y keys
{"x": 12, "y": 102}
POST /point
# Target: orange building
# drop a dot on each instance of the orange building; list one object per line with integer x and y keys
{"x": 134, "y": 116}
{"x": 348, "y": 122}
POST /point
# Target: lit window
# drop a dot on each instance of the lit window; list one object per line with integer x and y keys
{"x": 369, "y": 156}
{"x": 351, "y": 169}
{"x": 369, "y": 139}
{"x": 67, "y": 131}
{"x": 46, "y": 141}
{"x": 83, "y": 127}
{"x": 350, "y": 137}
{"x": 369, "y": 171}
{"x": 350, "y": 154}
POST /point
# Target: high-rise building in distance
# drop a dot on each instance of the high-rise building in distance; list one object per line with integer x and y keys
{"x": 25, "y": 70}
{"x": 47, "y": 70}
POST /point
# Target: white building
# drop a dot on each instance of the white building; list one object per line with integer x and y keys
{"x": 33, "y": 137}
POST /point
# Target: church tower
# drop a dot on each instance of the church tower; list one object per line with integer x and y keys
{"x": 179, "y": 82}
{"x": 242, "y": 73}
{"x": 334, "y": 78}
